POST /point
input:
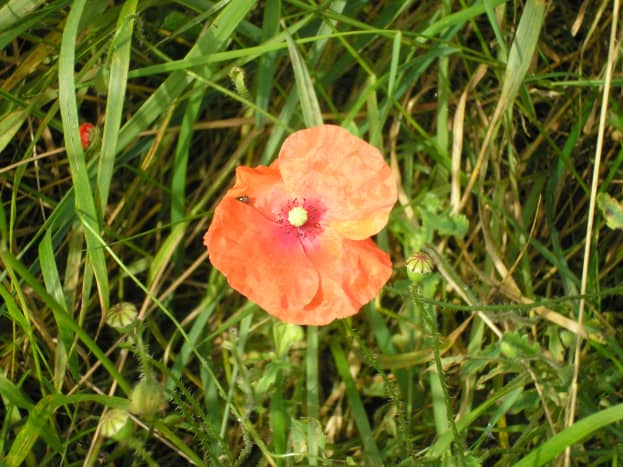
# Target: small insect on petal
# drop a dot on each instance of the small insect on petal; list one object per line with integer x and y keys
{"x": 243, "y": 199}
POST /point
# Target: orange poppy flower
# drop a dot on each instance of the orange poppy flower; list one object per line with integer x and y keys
{"x": 294, "y": 237}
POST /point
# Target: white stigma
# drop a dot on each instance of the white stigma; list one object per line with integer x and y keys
{"x": 297, "y": 216}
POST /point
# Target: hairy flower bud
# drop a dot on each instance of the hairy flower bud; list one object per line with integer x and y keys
{"x": 419, "y": 265}
{"x": 147, "y": 398}
{"x": 115, "y": 424}
{"x": 122, "y": 316}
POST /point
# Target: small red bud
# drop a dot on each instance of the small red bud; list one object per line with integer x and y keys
{"x": 86, "y": 135}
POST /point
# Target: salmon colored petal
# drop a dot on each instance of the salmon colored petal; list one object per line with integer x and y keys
{"x": 354, "y": 228}
{"x": 329, "y": 304}
{"x": 352, "y": 272}
{"x": 254, "y": 181}
{"x": 348, "y": 175}
{"x": 269, "y": 268}
{"x": 368, "y": 268}
{"x": 262, "y": 188}
{"x": 349, "y": 280}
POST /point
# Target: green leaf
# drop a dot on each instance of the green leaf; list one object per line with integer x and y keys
{"x": 13, "y": 394}
{"x": 85, "y": 203}
{"x": 515, "y": 345}
{"x": 447, "y": 224}
{"x": 521, "y": 53}
{"x": 300, "y": 433}
{"x": 214, "y": 38}
{"x": 581, "y": 429}
{"x": 267, "y": 62}
{"x": 354, "y": 399}
{"x": 10, "y": 124}
{"x": 443, "y": 442}
{"x": 62, "y": 318}
{"x": 119, "y": 65}
{"x": 15, "y": 11}
{"x": 611, "y": 209}
{"x": 38, "y": 418}
{"x": 181, "y": 24}
{"x": 307, "y": 96}
{"x": 435, "y": 218}
{"x": 268, "y": 378}
{"x": 286, "y": 335}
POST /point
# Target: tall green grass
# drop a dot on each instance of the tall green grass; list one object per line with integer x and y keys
{"x": 492, "y": 115}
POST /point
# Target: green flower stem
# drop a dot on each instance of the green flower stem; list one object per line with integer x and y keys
{"x": 245, "y": 325}
{"x": 139, "y": 345}
{"x": 437, "y": 379}
{"x": 313, "y": 411}
{"x": 412, "y": 314}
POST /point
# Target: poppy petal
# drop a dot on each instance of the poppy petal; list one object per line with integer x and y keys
{"x": 262, "y": 188}
{"x": 270, "y": 269}
{"x": 367, "y": 267}
{"x": 351, "y": 274}
{"x": 346, "y": 173}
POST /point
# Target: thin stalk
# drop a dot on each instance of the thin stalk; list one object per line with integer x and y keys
{"x": 612, "y": 55}
{"x": 313, "y": 411}
{"x": 432, "y": 317}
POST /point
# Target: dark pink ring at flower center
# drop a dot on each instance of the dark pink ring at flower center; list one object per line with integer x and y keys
{"x": 312, "y": 226}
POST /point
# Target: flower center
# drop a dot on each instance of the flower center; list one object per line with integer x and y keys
{"x": 301, "y": 219}
{"x": 297, "y": 216}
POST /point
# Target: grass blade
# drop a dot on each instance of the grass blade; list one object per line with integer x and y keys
{"x": 307, "y": 96}
{"x": 15, "y": 11}
{"x": 267, "y": 64}
{"x": 119, "y": 65}
{"x": 569, "y": 436}
{"x": 40, "y": 415}
{"x": 213, "y": 39}
{"x": 60, "y": 316}
{"x": 519, "y": 59}
{"x": 80, "y": 176}
{"x": 359, "y": 412}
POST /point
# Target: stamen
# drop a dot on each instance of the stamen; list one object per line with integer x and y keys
{"x": 300, "y": 218}
{"x": 297, "y": 216}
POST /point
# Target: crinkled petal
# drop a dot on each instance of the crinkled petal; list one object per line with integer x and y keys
{"x": 352, "y": 272}
{"x": 346, "y": 173}
{"x": 257, "y": 261}
{"x": 368, "y": 268}
{"x": 260, "y": 187}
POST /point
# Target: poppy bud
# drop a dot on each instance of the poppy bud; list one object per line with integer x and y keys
{"x": 115, "y": 424}
{"x": 89, "y": 135}
{"x": 419, "y": 264}
{"x": 147, "y": 398}
{"x": 122, "y": 316}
